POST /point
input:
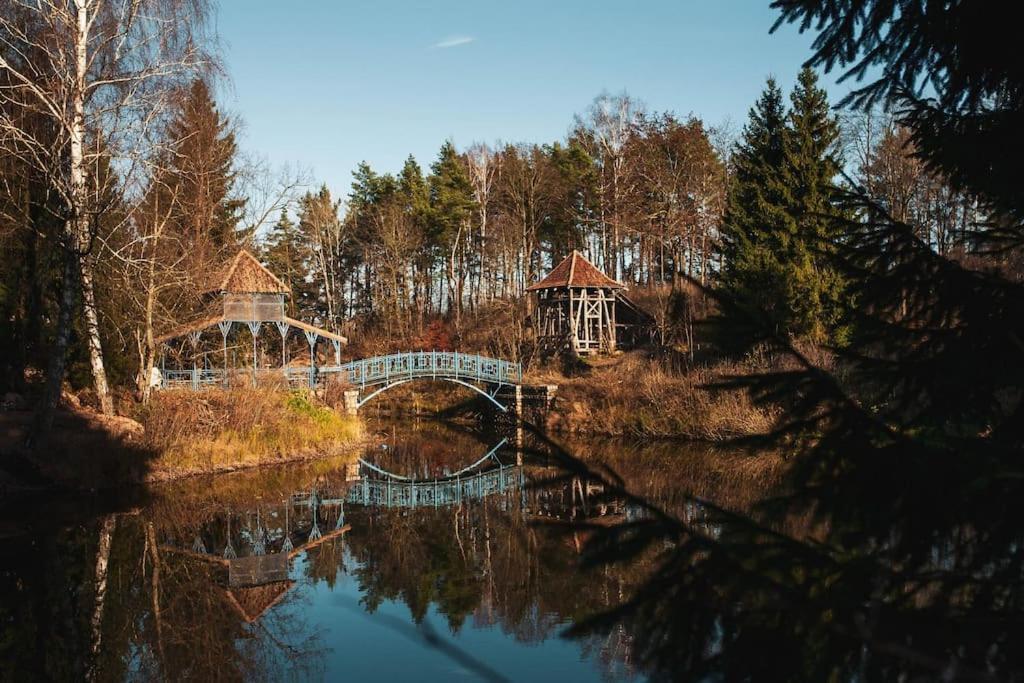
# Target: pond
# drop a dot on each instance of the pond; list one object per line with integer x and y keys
{"x": 444, "y": 553}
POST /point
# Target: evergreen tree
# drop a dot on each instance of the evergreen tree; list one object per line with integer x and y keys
{"x": 816, "y": 290}
{"x": 414, "y": 192}
{"x": 777, "y": 233}
{"x": 451, "y": 206}
{"x": 201, "y": 170}
{"x": 415, "y": 196}
{"x": 578, "y": 186}
{"x": 287, "y": 255}
{"x": 321, "y": 230}
{"x": 753, "y": 275}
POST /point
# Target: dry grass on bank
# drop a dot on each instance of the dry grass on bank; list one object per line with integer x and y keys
{"x": 228, "y": 428}
{"x": 635, "y": 395}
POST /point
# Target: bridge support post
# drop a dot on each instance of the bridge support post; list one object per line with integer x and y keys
{"x": 351, "y": 402}
{"x": 549, "y": 395}
{"x": 530, "y": 402}
{"x": 516, "y": 404}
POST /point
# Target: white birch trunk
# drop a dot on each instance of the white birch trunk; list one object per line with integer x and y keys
{"x": 79, "y": 218}
{"x": 100, "y": 578}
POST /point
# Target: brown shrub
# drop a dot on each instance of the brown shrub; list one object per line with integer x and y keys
{"x": 216, "y": 428}
{"x": 637, "y": 395}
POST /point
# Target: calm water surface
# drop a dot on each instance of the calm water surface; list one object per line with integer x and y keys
{"x": 449, "y": 555}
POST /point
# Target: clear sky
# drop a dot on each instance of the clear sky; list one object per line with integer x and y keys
{"x": 328, "y": 83}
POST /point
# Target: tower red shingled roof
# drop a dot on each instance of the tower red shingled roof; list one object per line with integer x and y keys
{"x": 575, "y": 271}
{"x": 245, "y": 274}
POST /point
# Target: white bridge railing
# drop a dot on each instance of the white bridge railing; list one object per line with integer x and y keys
{"x": 426, "y": 364}
{"x": 370, "y": 372}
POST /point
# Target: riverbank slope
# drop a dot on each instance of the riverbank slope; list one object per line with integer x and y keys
{"x": 178, "y": 434}
{"x": 635, "y": 394}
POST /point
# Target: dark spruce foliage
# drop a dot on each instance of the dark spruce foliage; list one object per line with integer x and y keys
{"x": 777, "y": 235}
{"x": 895, "y": 551}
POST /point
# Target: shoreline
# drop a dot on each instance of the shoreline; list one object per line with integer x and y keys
{"x": 301, "y": 456}
{"x": 180, "y": 436}
{"x": 13, "y": 486}
{"x": 86, "y": 451}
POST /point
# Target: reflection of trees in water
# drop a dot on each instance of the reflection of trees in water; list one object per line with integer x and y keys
{"x": 492, "y": 562}
{"x": 169, "y": 615}
{"x": 425, "y": 449}
{"x": 47, "y": 595}
{"x": 510, "y": 561}
{"x": 167, "y": 612}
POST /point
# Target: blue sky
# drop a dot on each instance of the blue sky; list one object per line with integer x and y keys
{"x": 328, "y": 84}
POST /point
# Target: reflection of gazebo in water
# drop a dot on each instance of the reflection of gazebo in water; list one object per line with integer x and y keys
{"x": 580, "y": 309}
{"x": 252, "y": 602}
{"x": 251, "y": 296}
{"x": 253, "y": 557}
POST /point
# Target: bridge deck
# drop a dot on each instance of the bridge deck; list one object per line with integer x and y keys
{"x": 375, "y": 371}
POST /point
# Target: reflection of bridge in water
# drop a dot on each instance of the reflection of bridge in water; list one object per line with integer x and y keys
{"x": 252, "y": 547}
{"x": 387, "y": 489}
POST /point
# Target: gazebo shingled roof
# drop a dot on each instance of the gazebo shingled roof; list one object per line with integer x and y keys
{"x": 575, "y": 271}
{"x": 246, "y": 275}
{"x": 252, "y": 602}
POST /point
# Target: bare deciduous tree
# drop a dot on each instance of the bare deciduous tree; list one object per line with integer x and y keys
{"x": 93, "y": 70}
{"x": 609, "y": 124}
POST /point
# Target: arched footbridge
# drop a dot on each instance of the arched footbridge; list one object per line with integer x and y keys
{"x": 373, "y": 376}
{"x": 370, "y": 377}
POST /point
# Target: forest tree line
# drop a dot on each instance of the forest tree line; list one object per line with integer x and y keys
{"x": 107, "y": 246}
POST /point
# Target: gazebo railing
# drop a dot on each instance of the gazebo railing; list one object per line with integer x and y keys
{"x": 195, "y": 378}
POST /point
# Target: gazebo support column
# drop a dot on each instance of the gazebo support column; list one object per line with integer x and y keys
{"x": 283, "y": 328}
{"x": 311, "y": 337}
{"x": 337, "y": 351}
{"x": 254, "y": 327}
{"x": 225, "y": 329}
{"x": 193, "y": 340}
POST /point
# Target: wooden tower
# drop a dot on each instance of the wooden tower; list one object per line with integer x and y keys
{"x": 251, "y": 292}
{"x": 576, "y": 308}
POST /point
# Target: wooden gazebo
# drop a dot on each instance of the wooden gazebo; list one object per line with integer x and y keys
{"x": 576, "y": 308}
{"x": 250, "y": 296}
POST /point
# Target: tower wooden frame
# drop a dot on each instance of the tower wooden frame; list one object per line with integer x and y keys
{"x": 576, "y": 308}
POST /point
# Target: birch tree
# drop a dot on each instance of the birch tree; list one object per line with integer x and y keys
{"x": 320, "y": 223}
{"x": 483, "y": 167}
{"x": 608, "y": 125}
{"x": 91, "y": 70}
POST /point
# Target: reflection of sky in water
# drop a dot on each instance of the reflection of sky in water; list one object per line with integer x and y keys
{"x": 385, "y": 645}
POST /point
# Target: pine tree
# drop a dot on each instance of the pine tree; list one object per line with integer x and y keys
{"x": 777, "y": 235}
{"x": 414, "y": 192}
{"x": 321, "y": 230}
{"x": 578, "y": 186}
{"x": 815, "y": 290}
{"x": 287, "y": 255}
{"x": 753, "y": 274}
{"x": 415, "y": 196}
{"x": 451, "y": 204}
{"x": 201, "y": 170}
